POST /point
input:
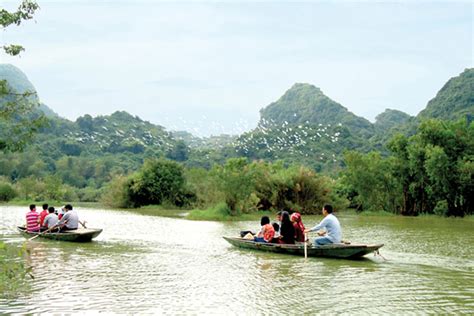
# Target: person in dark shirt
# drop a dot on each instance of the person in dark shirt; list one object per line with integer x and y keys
{"x": 287, "y": 231}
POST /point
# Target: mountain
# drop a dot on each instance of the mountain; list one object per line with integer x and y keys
{"x": 211, "y": 142}
{"x": 389, "y": 119}
{"x": 455, "y": 99}
{"x": 307, "y": 127}
{"x": 16, "y": 79}
{"x": 119, "y": 132}
{"x": 306, "y": 104}
{"x": 18, "y": 82}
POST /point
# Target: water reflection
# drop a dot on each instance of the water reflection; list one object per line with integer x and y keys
{"x": 149, "y": 265}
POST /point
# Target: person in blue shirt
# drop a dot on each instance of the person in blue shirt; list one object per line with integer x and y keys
{"x": 330, "y": 223}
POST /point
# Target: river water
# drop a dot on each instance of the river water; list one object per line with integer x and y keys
{"x": 154, "y": 265}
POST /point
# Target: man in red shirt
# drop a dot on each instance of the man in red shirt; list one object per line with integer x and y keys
{"x": 43, "y": 214}
{"x": 32, "y": 220}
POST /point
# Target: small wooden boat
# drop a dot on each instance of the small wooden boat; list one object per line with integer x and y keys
{"x": 78, "y": 235}
{"x": 346, "y": 251}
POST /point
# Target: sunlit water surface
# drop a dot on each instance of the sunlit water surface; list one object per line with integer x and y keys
{"x": 154, "y": 265}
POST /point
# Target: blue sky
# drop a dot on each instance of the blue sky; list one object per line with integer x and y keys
{"x": 209, "y": 67}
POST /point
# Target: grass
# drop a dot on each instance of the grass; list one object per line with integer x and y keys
{"x": 159, "y": 210}
{"x": 368, "y": 213}
{"x": 220, "y": 213}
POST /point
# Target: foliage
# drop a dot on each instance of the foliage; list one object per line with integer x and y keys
{"x": 235, "y": 179}
{"x": 19, "y": 119}
{"x": 369, "y": 178}
{"x": 7, "y": 192}
{"x": 25, "y": 11}
{"x": 429, "y": 172}
{"x": 13, "y": 271}
{"x": 157, "y": 182}
{"x": 454, "y": 101}
{"x": 116, "y": 193}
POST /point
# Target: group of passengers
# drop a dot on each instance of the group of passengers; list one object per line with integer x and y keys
{"x": 290, "y": 229}
{"x": 51, "y": 219}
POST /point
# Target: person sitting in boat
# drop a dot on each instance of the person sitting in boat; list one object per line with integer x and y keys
{"x": 266, "y": 231}
{"x": 70, "y": 220}
{"x": 287, "y": 231}
{"x": 276, "y": 237}
{"x": 42, "y": 216}
{"x": 298, "y": 225}
{"x": 32, "y": 220}
{"x": 61, "y": 212}
{"x": 278, "y": 217}
{"x": 331, "y": 224}
{"x": 51, "y": 219}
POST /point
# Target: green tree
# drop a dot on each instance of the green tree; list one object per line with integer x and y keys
{"x": 236, "y": 181}
{"x": 158, "y": 181}
{"x": 19, "y": 120}
{"x": 370, "y": 177}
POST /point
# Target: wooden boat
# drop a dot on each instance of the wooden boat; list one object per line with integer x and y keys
{"x": 346, "y": 251}
{"x": 78, "y": 235}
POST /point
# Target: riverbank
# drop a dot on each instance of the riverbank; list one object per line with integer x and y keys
{"x": 215, "y": 214}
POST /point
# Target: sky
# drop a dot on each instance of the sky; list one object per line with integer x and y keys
{"x": 208, "y": 67}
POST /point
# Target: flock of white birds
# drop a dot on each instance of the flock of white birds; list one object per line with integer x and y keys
{"x": 270, "y": 138}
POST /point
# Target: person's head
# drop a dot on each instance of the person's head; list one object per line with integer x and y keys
{"x": 32, "y": 207}
{"x": 276, "y": 227}
{"x": 285, "y": 218}
{"x": 265, "y": 220}
{"x": 45, "y": 206}
{"x": 278, "y": 216}
{"x": 327, "y": 209}
{"x": 68, "y": 207}
{"x": 295, "y": 217}
{"x": 51, "y": 209}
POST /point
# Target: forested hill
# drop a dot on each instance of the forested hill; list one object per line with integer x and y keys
{"x": 389, "y": 119}
{"x": 16, "y": 79}
{"x": 455, "y": 100}
{"x": 305, "y": 126}
{"x": 18, "y": 83}
{"x": 306, "y": 104}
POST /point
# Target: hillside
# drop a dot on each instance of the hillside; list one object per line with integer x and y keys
{"x": 455, "y": 99}
{"x": 305, "y": 126}
{"x": 306, "y": 104}
{"x": 389, "y": 119}
{"x": 16, "y": 79}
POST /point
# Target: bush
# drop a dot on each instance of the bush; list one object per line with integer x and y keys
{"x": 441, "y": 208}
{"x": 116, "y": 193}
{"x": 7, "y": 192}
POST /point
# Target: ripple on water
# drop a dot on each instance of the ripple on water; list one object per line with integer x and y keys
{"x": 183, "y": 267}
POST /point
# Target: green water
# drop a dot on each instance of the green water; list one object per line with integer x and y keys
{"x": 154, "y": 265}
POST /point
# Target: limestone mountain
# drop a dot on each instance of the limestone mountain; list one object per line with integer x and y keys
{"x": 389, "y": 119}
{"x": 19, "y": 83}
{"x": 455, "y": 99}
{"x": 306, "y": 104}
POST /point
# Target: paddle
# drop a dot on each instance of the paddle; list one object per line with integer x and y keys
{"x": 83, "y": 224}
{"x": 48, "y": 230}
{"x": 305, "y": 245}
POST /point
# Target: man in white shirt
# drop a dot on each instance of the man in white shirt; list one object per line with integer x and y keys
{"x": 330, "y": 222}
{"x": 70, "y": 220}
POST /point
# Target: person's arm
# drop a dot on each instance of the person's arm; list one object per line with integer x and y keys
{"x": 322, "y": 224}
{"x": 63, "y": 221}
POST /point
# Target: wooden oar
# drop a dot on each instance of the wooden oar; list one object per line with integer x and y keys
{"x": 306, "y": 246}
{"x": 48, "y": 230}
